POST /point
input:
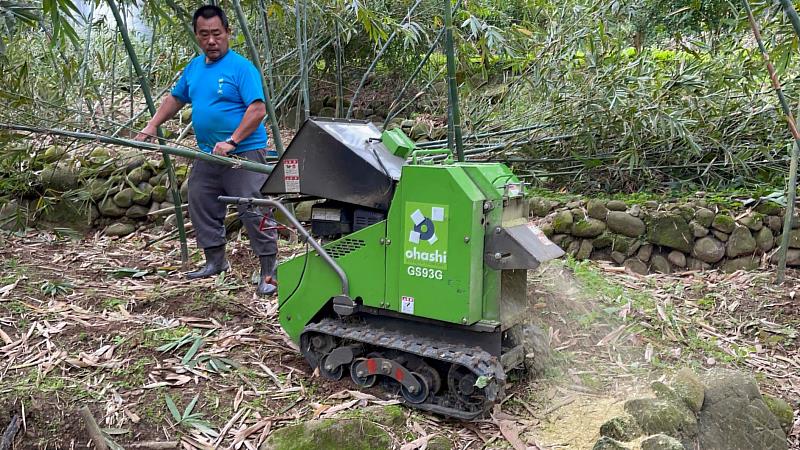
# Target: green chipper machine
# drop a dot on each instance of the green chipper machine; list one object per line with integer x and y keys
{"x": 421, "y": 286}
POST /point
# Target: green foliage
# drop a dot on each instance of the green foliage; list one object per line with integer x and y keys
{"x": 56, "y": 287}
{"x": 189, "y": 419}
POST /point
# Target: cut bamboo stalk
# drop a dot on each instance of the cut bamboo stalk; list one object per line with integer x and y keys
{"x": 93, "y": 429}
{"x": 454, "y": 118}
{"x": 790, "y": 197}
{"x": 789, "y": 10}
{"x": 186, "y": 153}
{"x": 251, "y": 45}
{"x": 145, "y": 85}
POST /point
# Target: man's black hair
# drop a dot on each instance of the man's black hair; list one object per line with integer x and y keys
{"x": 207, "y": 12}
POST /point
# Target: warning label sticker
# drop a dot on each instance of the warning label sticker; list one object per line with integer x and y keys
{"x": 291, "y": 167}
{"x": 291, "y": 183}
{"x": 407, "y": 305}
{"x": 539, "y": 234}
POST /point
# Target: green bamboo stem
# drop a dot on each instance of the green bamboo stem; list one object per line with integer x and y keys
{"x": 251, "y": 45}
{"x": 267, "y": 49}
{"x": 339, "y": 79}
{"x": 789, "y": 10}
{"x": 145, "y": 84}
{"x": 86, "y": 55}
{"x": 184, "y": 152}
{"x": 298, "y": 18}
{"x": 377, "y": 58}
{"x": 787, "y": 222}
{"x": 454, "y": 118}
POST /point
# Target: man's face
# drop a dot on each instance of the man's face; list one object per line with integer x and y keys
{"x": 213, "y": 37}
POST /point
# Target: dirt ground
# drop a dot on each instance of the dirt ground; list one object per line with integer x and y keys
{"x": 110, "y": 325}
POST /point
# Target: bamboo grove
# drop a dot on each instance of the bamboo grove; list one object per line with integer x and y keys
{"x": 596, "y": 94}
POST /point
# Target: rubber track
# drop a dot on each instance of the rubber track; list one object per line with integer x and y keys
{"x": 478, "y": 361}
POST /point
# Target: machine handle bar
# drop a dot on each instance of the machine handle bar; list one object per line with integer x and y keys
{"x": 299, "y": 227}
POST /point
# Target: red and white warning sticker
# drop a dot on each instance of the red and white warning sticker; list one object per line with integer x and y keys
{"x": 407, "y": 305}
{"x": 291, "y": 175}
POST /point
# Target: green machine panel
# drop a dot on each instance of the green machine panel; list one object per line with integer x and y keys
{"x": 307, "y": 283}
{"x": 434, "y": 265}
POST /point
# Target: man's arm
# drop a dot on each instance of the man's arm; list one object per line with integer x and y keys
{"x": 253, "y": 116}
{"x": 169, "y": 107}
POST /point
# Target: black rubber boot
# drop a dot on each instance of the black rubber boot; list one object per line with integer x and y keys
{"x": 268, "y": 282}
{"x": 215, "y": 263}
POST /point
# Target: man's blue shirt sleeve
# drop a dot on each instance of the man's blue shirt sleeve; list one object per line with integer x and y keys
{"x": 250, "y": 88}
{"x": 181, "y": 89}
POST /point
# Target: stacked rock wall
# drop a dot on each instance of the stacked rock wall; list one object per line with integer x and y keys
{"x": 666, "y": 236}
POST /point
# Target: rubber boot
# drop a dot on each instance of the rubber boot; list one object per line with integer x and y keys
{"x": 268, "y": 283}
{"x": 215, "y": 263}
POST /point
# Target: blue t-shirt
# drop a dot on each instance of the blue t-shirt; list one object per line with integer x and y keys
{"x": 220, "y": 93}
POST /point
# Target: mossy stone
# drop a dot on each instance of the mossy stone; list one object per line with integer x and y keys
{"x": 765, "y": 239}
{"x": 704, "y": 216}
{"x": 625, "y": 224}
{"x": 99, "y": 156}
{"x": 662, "y": 442}
{"x": 585, "y": 250}
{"x": 607, "y": 443}
{"x": 588, "y": 228}
{"x": 596, "y": 209}
{"x": 351, "y": 434}
{"x": 743, "y": 263}
{"x": 626, "y": 245}
{"x": 740, "y": 242}
{"x": 602, "y": 241}
{"x": 781, "y": 410}
{"x": 61, "y": 176}
{"x": 137, "y": 212}
{"x": 616, "y": 205}
{"x": 439, "y": 442}
{"x": 723, "y": 223}
{"x": 540, "y": 207}
{"x": 54, "y": 153}
{"x": 66, "y": 213}
{"x": 108, "y": 208}
{"x": 688, "y": 387}
{"x": 120, "y": 229}
{"x": 547, "y": 229}
{"x": 139, "y": 175}
{"x": 143, "y": 194}
{"x": 124, "y": 198}
{"x": 159, "y": 194}
{"x": 562, "y": 222}
{"x": 97, "y": 188}
{"x": 769, "y": 208}
{"x": 663, "y": 416}
{"x": 671, "y": 231}
{"x": 622, "y": 428}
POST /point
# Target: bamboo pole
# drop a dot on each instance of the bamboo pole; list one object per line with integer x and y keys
{"x": 186, "y": 27}
{"x": 454, "y": 118}
{"x": 145, "y": 84}
{"x": 184, "y": 152}
{"x": 776, "y": 84}
{"x": 251, "y": 45}
{"x": 339, "y": 78}
{"x": 267, "y": 49}
{"x": 377, "y": 58}
{"x": 301, "y": 59}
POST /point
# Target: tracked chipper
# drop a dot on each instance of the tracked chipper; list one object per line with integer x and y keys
{"x": 423, "y": 288}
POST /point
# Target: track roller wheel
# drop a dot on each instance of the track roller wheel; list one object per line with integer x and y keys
{"x": 366, "y": 381}
{"x": 416, "y": 397}
{"x": 330, "y": 372}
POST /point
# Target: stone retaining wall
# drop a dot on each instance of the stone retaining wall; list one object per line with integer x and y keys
{"x": 667, "y": 236}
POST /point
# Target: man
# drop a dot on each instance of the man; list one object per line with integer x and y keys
{"x": 227, "y": 100}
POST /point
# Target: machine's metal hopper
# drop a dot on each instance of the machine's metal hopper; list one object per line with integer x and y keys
{"x": 337, "y": 159}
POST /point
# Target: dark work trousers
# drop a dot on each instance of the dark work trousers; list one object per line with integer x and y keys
{"x": 207, "y": 181}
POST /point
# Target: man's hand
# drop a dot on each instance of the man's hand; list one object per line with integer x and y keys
{"x": 148, "y": 133}
{"x": 222, "y": 148}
